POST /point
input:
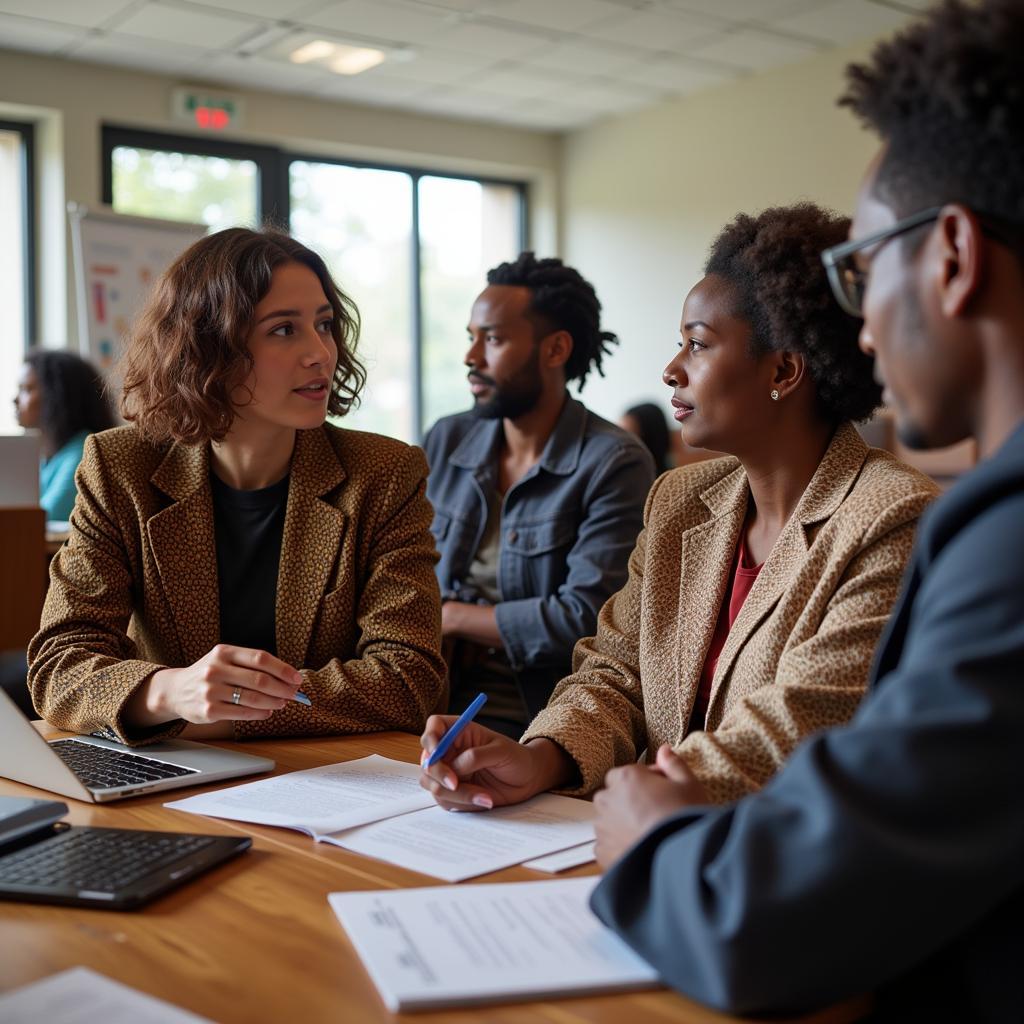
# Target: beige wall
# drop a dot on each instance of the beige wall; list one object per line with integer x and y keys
{"x": 644, "y": 195}
{"x": 71, "y": 100}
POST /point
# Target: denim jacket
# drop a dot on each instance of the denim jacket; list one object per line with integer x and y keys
{"x": 568, "y": 527}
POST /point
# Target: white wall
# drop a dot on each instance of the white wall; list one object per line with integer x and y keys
{"x": 645, "y": 194}
{"x": 71, "y": 100}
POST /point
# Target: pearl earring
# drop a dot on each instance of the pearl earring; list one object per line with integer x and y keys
{"x": 775, "y": 395}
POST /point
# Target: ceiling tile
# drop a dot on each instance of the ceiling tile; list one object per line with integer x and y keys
{"x": 65, "y": 12}
{"x": 432, "y": 66}
{"x": 255, "y": 73}
{"x": 379, "y": 19}
{"x": 580, "y": 57}
{"x": 740, "y": 10}
{"x": 918, "y": 5}
{"x": 608, "y": 96}
{"x": 674, "y": 75}
{"x": 844, "y": 20}
{"x": 36, "y": 36}
{"x": 518, "y": 82}
{"x": 175, "y": 24}
{"x": 464, "y": 6}
{"x": 494, "y": 43}
{"x": 656, "y": 30}
{"x": 755, "y": 51}
{"x": 260, "y": 8}
{"x": 144, "y": 54}
{"x": 377, "y": 90}
{"x": 563, "y": 15}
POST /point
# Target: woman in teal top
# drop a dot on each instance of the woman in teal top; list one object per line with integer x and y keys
{"x": 63, "y": 397}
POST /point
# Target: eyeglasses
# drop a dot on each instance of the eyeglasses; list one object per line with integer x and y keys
{"x": 848, "y": 281}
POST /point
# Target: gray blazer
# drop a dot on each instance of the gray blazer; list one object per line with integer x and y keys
{"x": 887, "y": 855}
{"x": 568, "y": 528}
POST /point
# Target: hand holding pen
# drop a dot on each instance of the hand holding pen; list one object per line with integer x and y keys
{"x": 469, "y": 767}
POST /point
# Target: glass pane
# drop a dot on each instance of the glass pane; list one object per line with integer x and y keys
{"x": 211, "y": 190}
{"x": 465, "y": 229}
{"x": 12, "y": 272}
{"x": 360, "y": 221}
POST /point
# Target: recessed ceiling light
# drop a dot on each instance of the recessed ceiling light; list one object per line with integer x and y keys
{"x": 319, "y": 49}
{"x": 351, "y": 60}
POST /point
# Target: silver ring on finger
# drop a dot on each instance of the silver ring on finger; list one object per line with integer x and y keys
{"x": 236, "y": 697}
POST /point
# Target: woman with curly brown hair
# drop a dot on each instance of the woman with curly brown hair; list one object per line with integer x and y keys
{"x": 761, "y": 582}
{"x": 236, "y": 565}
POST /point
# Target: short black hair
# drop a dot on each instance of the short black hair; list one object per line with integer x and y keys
{"x": 73, "y": 396}
{"x": 562, "y": 300}
{"x": 947, "y": 95}
{"x": 773, "y": 261}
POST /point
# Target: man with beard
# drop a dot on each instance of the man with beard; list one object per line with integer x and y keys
{"x": 888, "y": 855}
{"x": 537, "y": 501}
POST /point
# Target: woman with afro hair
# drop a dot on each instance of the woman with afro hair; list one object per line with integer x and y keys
{"x": 762, "y": 581}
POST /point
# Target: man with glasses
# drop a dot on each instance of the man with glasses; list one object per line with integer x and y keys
{"x": 888, "y": 855}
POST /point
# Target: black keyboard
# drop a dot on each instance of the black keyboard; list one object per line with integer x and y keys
{"x": 104, "y": 768}
{"x": 96, "y": 860}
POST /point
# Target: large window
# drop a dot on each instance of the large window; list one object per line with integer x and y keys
{"x": 410, "y": 247}
{"x": 212, "y": 190}
{"x": 17, "y": 270}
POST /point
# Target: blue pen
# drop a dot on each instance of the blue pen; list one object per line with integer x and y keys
{"x": 458, "y": 725}
{"x": 302, "y": 699}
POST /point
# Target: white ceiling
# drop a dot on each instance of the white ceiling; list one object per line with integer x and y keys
{"x": 546, "y": 64}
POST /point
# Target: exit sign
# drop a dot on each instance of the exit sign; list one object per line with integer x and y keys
{"x": 210, "y": 111}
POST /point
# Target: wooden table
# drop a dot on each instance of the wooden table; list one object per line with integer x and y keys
{"x": 255, "y": 940}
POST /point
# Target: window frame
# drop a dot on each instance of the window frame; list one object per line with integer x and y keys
{"x": 272, "y": 206}
{"x": 27, "y": 131}
{"x": 274, "y": 201}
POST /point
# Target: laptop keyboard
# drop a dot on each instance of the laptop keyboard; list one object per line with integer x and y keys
{"x": 105, "y": 768}
{"x": 98, "y": 860}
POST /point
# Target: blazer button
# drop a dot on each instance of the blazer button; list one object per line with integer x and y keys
{"x": 512, "y": 536}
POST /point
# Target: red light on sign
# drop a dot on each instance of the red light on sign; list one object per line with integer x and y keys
{"x": 212, "y": 117}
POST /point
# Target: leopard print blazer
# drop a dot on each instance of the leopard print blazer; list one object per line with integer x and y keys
{"x": 798, "y": 655}
{"x": 135, "y": 587}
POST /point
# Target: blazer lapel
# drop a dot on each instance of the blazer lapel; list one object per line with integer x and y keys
{"x": 181, "y": 538}
{"x": 706, "y": 557}
{"x": 313, "y": 530}
{"x": 829, "y": 486}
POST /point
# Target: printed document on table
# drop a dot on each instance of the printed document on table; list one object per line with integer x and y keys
{"x": 81, "y": 996}
{"x": 457, "y": 845}
{"x": 319, "y": 800}
{"x": 563, "y": 860}
{"x": 444, "y": 946}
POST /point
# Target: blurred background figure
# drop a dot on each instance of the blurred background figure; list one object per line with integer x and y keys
{"x": 647, "y": 421}
{"x": 63, "y": 397}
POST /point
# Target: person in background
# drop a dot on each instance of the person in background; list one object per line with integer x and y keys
{"x": 537, "y": 500}
{"x": 647, "y": 421}
{"x": 888, "y": 856}
{"x": 229, "y": 548}
{"x": 762, "y": 580}
{"x": 63, "y": 397}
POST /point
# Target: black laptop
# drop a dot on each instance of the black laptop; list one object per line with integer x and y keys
{"x": 44, "y": 860}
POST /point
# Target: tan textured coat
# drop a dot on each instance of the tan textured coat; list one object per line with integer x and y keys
{"x": 135, "y": 587}
{"x": 797, "y": 657}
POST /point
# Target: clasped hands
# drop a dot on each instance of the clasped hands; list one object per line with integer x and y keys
{"x": 484, "y": 769}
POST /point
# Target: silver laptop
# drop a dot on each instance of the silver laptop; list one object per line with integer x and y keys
{"x": 98, "y": 770}
{"x": 19, "y": 470}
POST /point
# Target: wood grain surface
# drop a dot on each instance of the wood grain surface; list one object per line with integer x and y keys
{"x": 255, "y": 940}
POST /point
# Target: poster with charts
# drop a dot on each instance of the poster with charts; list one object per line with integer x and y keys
{"x": 118, "y": 259}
